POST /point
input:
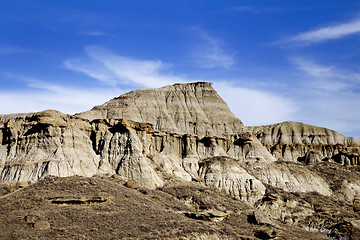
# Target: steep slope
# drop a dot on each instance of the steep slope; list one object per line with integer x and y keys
{"x": 35, "y": 145}
{"x": 167, "y": 141}
{"x": 194, "y": 109}
{"x": 294, "y": 141}
{"x": 159, "y": 148}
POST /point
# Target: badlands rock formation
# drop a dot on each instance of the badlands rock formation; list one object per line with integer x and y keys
{"x": 46, "y": 143}
{"x": 155, "y": 138}
{"x": 142, "y": 135}
{"x": 194, "y": 109}
{"x": 149, "y": 135}
{"x": 299, "y": 142}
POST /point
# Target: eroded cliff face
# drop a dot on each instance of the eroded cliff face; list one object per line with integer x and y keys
{"x": 183, "y": 132}
{"x": 38, "y": 144}
{"x": 227, "y": 175}
{"x": 194, "y": 109}
{"x": 160, "y": 146}
{"x": 299, "y": 142}
{"x": 180, "y": 135}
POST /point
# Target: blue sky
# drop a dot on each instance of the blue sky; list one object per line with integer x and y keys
{"x": 271, "y": 61}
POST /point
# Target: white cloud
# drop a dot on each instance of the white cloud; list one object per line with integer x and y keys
{"x": 251, "y": 106}
{"x": 93, "y": 69}
{"x": 337, "y": 111}
{"x": 328, "y": 78}
{"x": 40, "y": 96}
{"x": 113, "y": 69}
{"x": 210, "y": 52}
{"x": 314, "y": 69}
{"x": 324, "y": 96}
{"x": 328, "y": 33}
{"x": 327, "y": 96}
{"x": 256, "y": 107}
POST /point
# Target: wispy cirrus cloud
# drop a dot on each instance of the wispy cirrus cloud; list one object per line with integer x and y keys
{"x": 115, "y": 72}
{"x": 328, "y": 33}
{"x": 210, "y": 52}
{"x": 114, "y": 69}
{"x": 256, "y": 106}
{"x": 38, "y": 95}
{"x": 327, "y": 96}
{"x": 251, "y": 106}
{"x": 327, "y": 77}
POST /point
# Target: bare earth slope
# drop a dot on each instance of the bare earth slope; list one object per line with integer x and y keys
{"x": 102, "y": 208}
{"x": 200, "y": 173}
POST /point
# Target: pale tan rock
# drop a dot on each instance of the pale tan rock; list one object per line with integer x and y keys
{"x": 120, "y": 149}
{"x": 132, "y": 184}
{"x": 227, "y": 175}
{"x": 289, "y": 177}
{"x": 355, "y": 223}
{"x": 350, "y": 191}
{"x": 300, "y": 133}
{"x": 295, "y": 141}
{"x": 153, "y": 135}
{"x": 45, "y": 143}
{"x": 289, "y": 211}
{"x": 193, "y": 108}
{"x": 263, "y": 218}
{"x": 41, "y": 225}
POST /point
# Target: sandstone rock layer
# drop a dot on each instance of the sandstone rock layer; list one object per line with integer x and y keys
{"x": 299, "y": 142}
{"x": 182, "y": 132}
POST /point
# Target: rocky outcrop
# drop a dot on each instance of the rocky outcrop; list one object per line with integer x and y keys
{"x": 227, "y": 175}
{"x": 182, "y": 132}
{"x": 288, "y": 210}
{"x": 183, "y": 141}
{"x": 289, "y": 176}
{"x": 193, "y": 108}
{"x": 45, "y": 143}
{"x": 51, "y": 143}
{"x": 160, "y": 145}
{"x": 299, "y": 142}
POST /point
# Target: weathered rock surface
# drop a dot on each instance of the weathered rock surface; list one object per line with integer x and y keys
{"x": 294, "y": 141}
{"x": 262, "y": 218}
{"x": 194, "y": 109}
{"x": 38, "y": 144}
{"x": 227, "y": 175}
{"x": 163, "y": 144}
{"x": 289, "y": 176}
{"x": 174, "y": 138}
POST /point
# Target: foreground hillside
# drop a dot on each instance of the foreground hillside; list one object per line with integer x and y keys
{"x": 102, "y": 208}
{"x": 191, "y": 169}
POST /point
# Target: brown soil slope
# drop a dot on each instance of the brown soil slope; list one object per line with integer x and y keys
{"x": 102, "y": 208}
